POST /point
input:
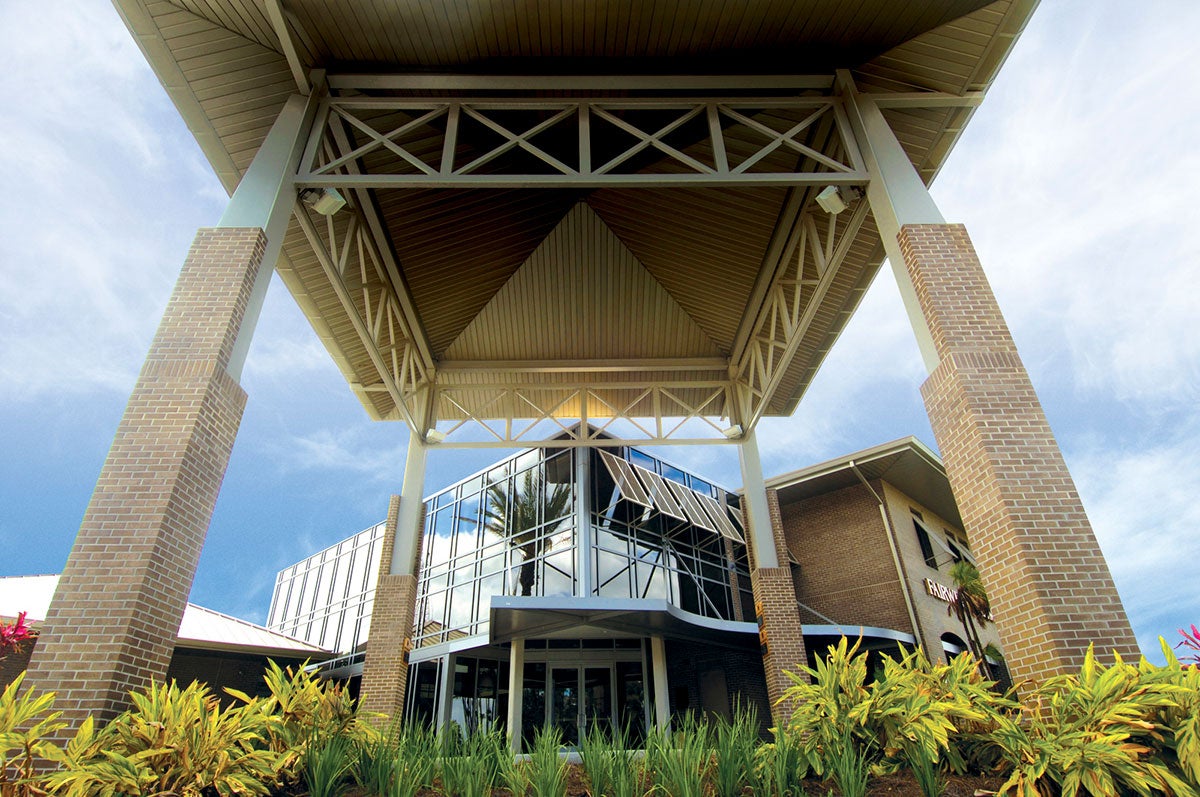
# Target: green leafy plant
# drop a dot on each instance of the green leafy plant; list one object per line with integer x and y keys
{"x": 547, "y": 768}
{"x": 300, "y": 707}
{"x": 173, "y": 741}
{"x": 471, "y": 764}
{"x": 26, "y": 720}
{"x": 734, "y": 743}
{"x": 397, "y": 763}
{"x": 326, "y": 764}
{"x": 610, "y": 764}
{"x": 680, "y": 760}
{"x": 1097, "y": 733}
{"x": 780, "y": 766}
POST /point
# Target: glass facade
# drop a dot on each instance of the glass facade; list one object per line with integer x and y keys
{"x": 326, "y": 599}
{"x": 513, "y": 530}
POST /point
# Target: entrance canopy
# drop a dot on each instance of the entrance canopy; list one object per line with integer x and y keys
{"x": 563, "y": 212}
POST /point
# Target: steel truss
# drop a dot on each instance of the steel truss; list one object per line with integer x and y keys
{"x": 580, "y": 142}
{"x": 362, "y": 142}
{"x": 353, "y": 264}
{"x": 646, "y": 413}
{"x": 816, "y": 249}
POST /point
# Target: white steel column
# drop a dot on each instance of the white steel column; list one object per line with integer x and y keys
{"x": 754, "y": 491}
{"x": 265, "y": 198}
{"x": 662, "y": 700}
{"x": 446, "y": 688}
{"x": 408, "y": 524}
{"x": 516, "y": 692}
{"x": 583, "y": 521}
{"x": 897, "y": 195}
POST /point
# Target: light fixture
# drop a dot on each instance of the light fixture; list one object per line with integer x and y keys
{"x": 435, "y": 436}
{"x": 326, "y": 201}
{"x": 733, "y": 432}
{"x": 831, "y": 200}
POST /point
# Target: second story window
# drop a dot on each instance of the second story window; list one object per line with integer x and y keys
{"x": 925, "y": 542}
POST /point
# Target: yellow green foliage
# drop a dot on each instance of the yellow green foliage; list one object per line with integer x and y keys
{"x": 25, "y": 722}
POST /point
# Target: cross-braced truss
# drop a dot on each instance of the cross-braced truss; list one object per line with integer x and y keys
{"x": 819, "y": 244}
{"x": 360, "y": 143}
{"x": 580, "y": 142}
{"x": 354, "y": 266}
{"x": 602, "y": 414}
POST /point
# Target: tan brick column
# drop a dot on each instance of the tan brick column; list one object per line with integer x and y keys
{"x": 385, "y": 670}
{"x": 1050, "y": 587}
{"x": 778, "y": 616}
{"x": 113, "y": 621}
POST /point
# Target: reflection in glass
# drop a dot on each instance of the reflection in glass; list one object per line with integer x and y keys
{"x": 527, "y": 517}
{"x": 564, "y": 705}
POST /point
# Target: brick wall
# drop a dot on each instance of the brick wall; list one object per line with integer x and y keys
{"x": 112, "y": 624}
{"x": 1051, "y": 589}
{"x": 385, "y": 668}
{"x": 744, "y": 680}
{"x": 846, "y": 567}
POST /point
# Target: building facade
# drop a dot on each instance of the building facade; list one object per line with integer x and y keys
{"x": 575, "y": 586}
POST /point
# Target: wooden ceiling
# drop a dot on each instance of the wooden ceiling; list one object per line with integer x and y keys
{"x": 574, "y": 273}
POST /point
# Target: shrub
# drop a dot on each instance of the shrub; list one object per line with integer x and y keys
{"x": 471, "y": 765}
{"x": 780, "y": 766}
{"x": 680, "y": 761}
{"x": 326, "y": 764}
{"x": 733, "y": 751}
{"x": 1098, "y": 733}
{"x": 610, "y": 763}
{"x": 547, "y": 769}
{"x": 173, "y": 741}
{"x": 26, "y": 719}
{"x": 397, "y": 763}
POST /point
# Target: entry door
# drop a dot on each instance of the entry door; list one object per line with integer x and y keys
{"x": 580, "y": 697}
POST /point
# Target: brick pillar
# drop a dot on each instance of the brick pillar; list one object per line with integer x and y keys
{"x": 778, "y": 617}
{"x": 1050, "y": 588}
{"x": 385, "y": 670}
{"x": 112, "y": 624}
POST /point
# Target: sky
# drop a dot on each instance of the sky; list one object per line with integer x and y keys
{"x": 1078, "y": 180}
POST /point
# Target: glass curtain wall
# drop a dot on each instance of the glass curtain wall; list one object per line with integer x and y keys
{"x": 509, "y": 530}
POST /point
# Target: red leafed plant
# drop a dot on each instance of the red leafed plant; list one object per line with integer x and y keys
{"x": 14, "y": 634}
{"x": 1191, "y": 641}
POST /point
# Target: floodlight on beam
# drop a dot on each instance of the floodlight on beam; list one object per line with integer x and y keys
{"x": 435, "y": 436}
{"x": 733, "y": 432}
{"x": 834, "y": 199}
{"x": 326, "y": 201}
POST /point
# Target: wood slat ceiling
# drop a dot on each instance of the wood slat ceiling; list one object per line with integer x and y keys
{"x": 221, "y": 63}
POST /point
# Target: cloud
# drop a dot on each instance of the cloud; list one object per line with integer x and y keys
{"x": 95, "y": 242}
{"x": 363, "y": 452}
{"x": 1142, "y": 503}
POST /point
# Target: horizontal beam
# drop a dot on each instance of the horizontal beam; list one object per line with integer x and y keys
{"x": 574, "y": 180}
{"x": 924, "y": 99}
{"x": 603, "y": 442}
{"x": 449, "y": 82}
{"x": 583, "y": 366}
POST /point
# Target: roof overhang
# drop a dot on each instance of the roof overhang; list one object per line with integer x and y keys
{"x": 907, "y": 464}
{"x": 563, "y": 214}
{"x": 523, "y": 617}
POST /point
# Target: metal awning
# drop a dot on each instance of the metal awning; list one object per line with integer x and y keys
{"x": 517, "y": 617}
{"x": 622, "y": 473}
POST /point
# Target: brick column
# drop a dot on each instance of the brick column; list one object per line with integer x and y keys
{"x": 1050, "y": 588}
{"x": 113, "y": 622}
{"x": 779, "y": 616}
{"x": 385, "y": 670}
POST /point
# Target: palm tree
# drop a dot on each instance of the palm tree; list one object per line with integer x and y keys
{"x": 970, "y": 604}
{"x": 518, "y": 517}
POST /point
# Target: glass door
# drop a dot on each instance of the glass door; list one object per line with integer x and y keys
{"x": 581, "y": 696}
{"x": 564, "y": 703}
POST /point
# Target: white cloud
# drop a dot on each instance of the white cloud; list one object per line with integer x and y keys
{"x": 1142, "y": 503}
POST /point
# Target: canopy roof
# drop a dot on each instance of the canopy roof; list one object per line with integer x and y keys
{"x": 550, "y": 281}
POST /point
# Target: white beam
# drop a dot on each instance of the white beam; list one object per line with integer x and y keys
{"x": 662, "y": 697}
{"x": 924, "y": 99}
{"x": 408, "y": 523}
{"x": 446, "y": 82}
{"x": 754, "y": 491}
{"x": 584, "y": 366}
{"x": 299, "y": 73}
{"x": 516, "y": 689}
{"x": 897, "y": 195}
{"x": 264, "y": 199}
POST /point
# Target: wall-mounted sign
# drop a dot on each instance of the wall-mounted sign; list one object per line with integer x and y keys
{"x": 762, "y": 628}
{"x": 940, "y": 591}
